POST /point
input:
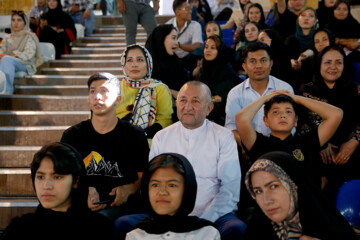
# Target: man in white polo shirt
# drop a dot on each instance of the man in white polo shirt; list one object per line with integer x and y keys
{"x": 189, "y": 32}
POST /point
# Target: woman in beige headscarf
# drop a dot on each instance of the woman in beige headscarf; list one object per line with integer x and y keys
{"x": 19, "y": 51}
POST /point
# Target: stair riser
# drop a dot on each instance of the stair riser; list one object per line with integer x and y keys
{"x": 85, "y": 64}
{"x": 51, "y": 81}
{"x": 16, "y": 159}
{"x": 97, "y": 51}
{"x": 86, "y": 72}
{"x": 64, "y": 91}
{"x": 86, "y": 57}
{"x": 43, "y": 104}
{"x": 42, "y": 120}
{"x": 29, "y": 137}
{"x": 16, "y": 184}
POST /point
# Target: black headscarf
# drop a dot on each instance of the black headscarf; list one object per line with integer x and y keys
{"x": 180, "y": 222}
{"x": 57, "y": 17}
{"x": 347, "y": 28}
{"x": 318, "y": 218}
{"x": 167, "y": 68}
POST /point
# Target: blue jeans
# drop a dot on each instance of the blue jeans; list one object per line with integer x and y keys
{"x": 9, "y": 65}
{"x": 137, "y": 13}
{"x": 229, "y": 225}
{"x": 88, "y": 23}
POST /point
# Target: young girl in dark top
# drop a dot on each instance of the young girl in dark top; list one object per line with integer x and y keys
{"x": 289, "y": 207}
{"x": 57, "y": 172}
{"x": 168, "y": 187}
{"x": 333, "y": 83}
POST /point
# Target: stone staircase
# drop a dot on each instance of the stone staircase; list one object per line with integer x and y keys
{"x": 47, "y": 103}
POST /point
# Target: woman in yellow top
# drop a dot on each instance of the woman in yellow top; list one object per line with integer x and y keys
{"x": 145, "y": 102}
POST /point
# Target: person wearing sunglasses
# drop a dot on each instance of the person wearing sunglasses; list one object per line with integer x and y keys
{"x": 19, "y": 52}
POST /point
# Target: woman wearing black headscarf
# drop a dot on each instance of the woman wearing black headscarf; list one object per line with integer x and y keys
{"x": 57, "y": 27}
{"x": 346, "y": 29}
{"x": 168, "y": 68}
{"x": 217, "y": 72}
{"x": 289, "y": 207}
{"x": 168, "y": 187}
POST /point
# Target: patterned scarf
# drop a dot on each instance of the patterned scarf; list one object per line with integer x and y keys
{"x": 290, "y": 227}
{"x": 144, "y": 111}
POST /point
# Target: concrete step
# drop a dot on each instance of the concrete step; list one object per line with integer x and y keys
{"x": 99, "y": 45}
{"x": 81, "y": 71}
{"x": 92, "y": 56}
{"x": 97, "y": 50}
{"x": 84, "y": 63}
{"x": 69, "y": 90}
{"x": 30, "y": 136}
{"x": 116, "y": 20}
{"x": 16, "y": 182}
{"x": 139, "y": 39}
{"x": 117, "y": 35}
{"x": 43, "y": 103}
{"x": 17, "y": 156}
{"x": 42, "y": 118}
{"x": 54, "y": 80}
{"x": 11, "y": 207}
{"x": 114, "y": 29}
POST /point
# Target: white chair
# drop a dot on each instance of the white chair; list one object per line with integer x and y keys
{"x": 80, "y": 30}
{"x": 48, "y": 51}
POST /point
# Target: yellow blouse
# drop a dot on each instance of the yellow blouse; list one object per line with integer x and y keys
{"x": 164, "y": 107}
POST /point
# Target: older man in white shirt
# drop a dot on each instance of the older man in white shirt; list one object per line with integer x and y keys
{"x": 212, "y": 151}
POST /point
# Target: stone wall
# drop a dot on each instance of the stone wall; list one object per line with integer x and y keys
{"x": 7, "y": 5}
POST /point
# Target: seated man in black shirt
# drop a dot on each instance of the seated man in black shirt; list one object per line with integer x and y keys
{"x": 114, "y": 151}
{"x": 280, "y": 116}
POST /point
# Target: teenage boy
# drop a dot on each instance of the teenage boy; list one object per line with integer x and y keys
{"x": 281, "y": 117}
{"x": 114, "y": 151}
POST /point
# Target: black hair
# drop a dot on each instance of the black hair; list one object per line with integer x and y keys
{"x": 19, "y": 13}
{"x": 105, "y": 76}
{"x": 177, "y": 4}
{"x": 281, "y": 98}
{"x": 253, "y": 47}
{"x": 66, "y": 160}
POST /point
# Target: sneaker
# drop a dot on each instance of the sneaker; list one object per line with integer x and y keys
{"x": 2, "y": 83}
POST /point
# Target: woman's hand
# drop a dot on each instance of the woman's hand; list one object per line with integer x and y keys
{"x": 304, "y": 237}
{"x": 351, "y": 43}
{"x": 328, "y": 154}
{"x": 346, "y": 151}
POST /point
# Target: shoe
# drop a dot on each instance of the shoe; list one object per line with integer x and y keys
{"x": 2, "y": 83}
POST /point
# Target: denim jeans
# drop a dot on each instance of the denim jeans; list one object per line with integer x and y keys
{"x": 9, "y": 65}
{"x": 88, "y": 23}
{"x": 229, "y": 225}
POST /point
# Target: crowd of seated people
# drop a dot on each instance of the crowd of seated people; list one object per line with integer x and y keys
{"x": 251, "y": 148}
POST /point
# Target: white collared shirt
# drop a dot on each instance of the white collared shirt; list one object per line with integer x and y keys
{"x": 212, "y": 151}
{"x": 191, "y": 35}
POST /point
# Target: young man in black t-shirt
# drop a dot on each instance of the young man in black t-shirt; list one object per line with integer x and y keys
{"x": 114, "y": 151}
{"x": 280, "y": 116}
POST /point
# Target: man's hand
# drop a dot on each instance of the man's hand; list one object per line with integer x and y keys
{"x": 86, "y": 14}
{"x": 94, "y": 197}
{"x": 156, "y": 6}
{"x": 351, "y": 44}
{"x": 121, "y": 6}
{"x": 122, "y": 194}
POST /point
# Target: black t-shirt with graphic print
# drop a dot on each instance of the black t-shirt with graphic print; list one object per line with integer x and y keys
{"x": 111, "y": 159}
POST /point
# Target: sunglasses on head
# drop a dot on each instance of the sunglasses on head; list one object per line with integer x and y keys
{"x": 18, "y": 12}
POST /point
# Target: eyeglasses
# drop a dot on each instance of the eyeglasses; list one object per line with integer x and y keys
{"x": 186, "y": 9}
{"x": 18, "y": 12}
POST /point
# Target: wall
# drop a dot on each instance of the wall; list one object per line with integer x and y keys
{"x": 7, "y": 5}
